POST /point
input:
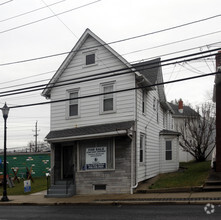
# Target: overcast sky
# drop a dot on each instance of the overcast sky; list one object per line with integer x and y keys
{"x": 21, "y": 38}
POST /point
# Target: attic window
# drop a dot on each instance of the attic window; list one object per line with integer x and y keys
{"x": 90, "y": 59}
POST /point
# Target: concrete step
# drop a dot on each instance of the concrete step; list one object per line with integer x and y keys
{"x": 213, "y": 182}
{"x": 60, "y": 182}
{"x": 212, "y": 188}
{"x": 60, "y": 191}
{"x": 60, "y": 186}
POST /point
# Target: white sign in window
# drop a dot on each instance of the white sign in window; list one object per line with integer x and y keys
{"x": 96, "y": 158}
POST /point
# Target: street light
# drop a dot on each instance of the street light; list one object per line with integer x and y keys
{"x": 5, "y": 111}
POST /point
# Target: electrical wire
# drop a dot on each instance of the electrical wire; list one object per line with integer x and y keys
{"x": 60, "y": 19}
{"x": 113, "y": 42}
{"x": 43, "y": 19}
{"x": 5, "y": 2}
{"x": 28, "y": 12}
{"x": 103, "y": 74}
{"x": 117, "y": 91}
{"x": 70, "y": 67}
{"x": 174, "y": 42}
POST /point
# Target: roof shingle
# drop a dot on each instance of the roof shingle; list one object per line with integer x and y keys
{"x": 89, "y": 130}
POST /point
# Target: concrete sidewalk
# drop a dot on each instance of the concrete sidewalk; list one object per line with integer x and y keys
{"x": 121, "y": 199}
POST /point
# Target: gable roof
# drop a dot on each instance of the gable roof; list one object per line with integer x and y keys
{"x": 152, "y": 71}
{"x": 187, "y": 111}
{"x": 149, "y": 69}
{"x": 76, "y": 48}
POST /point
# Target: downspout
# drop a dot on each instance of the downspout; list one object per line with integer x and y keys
{"x": 133, "y": 168}
{"x": 133, "y": 149}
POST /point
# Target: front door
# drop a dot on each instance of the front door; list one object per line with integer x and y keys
{"x": 67, "y": 162}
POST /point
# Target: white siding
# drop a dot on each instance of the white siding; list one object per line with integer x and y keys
{"x": 147, "y": 123}
{"x": 90, "y": 107}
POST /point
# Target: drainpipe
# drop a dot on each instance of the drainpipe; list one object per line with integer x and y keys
{"x": 133, "y": 149}
{"x": 132, "y": 162}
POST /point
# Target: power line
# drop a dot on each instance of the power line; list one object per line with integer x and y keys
{"x": 43, "y": 19}
{"x": 103, "y": 74}
{"x": 70, "y": 67}
{"x": 6, "y": 2}
{"x": 174, "y": 42}
{"x": 59, "y": 19}
{"x": 113, "y": 42}
{"x": 118, "y": 91}
{"x": 28, "y": 12}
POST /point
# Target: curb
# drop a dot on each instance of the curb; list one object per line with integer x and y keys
{"x": 171, "y": 190}
{"x": 117, "y": 203}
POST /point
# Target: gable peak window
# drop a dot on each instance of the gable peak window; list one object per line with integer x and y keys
{"x": 90, "y": 59}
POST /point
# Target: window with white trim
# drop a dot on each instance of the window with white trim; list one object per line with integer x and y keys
{"x": 96, "y": 154}
{"x": 73, "y": 106}
{"x": 157, "y": 105}
{"x": 90, "y": 58}
{"x": 108, "y": 100}
{"x": 168, "y": 153}
{"x": 154, "y": 103}
{"x": 144, "y": 95}
{"x": 142, "y": 148}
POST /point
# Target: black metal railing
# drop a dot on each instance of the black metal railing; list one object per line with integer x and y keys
{"x": 51, "y": 178}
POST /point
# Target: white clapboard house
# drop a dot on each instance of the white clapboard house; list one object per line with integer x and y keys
{"x": 109, "y": 136}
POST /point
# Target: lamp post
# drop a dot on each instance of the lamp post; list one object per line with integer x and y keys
{"x": 5, "y": 111}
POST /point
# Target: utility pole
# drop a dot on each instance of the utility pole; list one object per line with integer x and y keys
{"x": 36, "y": 136}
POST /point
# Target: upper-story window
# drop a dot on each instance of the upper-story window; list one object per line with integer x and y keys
{"x": 142, "y": 148}
{"x": 73, "y": 105}
{"x": 144, "y": 94}
{"x": 157, "y": 109}
{"x": 108, "y": 100}
{"x": 154, "y": 103}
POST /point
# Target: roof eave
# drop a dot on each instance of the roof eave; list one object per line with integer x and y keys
{"x": 83, "y": 137}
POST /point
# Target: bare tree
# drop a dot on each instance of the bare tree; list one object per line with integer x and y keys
{"x": 198, "y": 132}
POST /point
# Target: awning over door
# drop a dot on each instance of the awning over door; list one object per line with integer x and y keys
{"x": 93, "y": 131}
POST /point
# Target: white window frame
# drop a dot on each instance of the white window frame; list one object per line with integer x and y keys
{"x": 157, "y": 110}
{"x": 154, "y": 103}
{"x": 142, "y": 148}
{"x": 144, "y": 97}
{"x": 170, "y": 150}
{"x": 102, "y": 85}
{"x": 68, "y": 92}
{"x": 90, "y": 52}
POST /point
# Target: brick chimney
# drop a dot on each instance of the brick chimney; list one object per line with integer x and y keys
{"x": 180, "y": 106}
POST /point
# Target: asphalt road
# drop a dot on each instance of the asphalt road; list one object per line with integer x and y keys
{"x": 110, "y": 212}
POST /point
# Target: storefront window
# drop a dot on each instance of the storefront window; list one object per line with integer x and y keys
{"x": 96, "y": 154}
